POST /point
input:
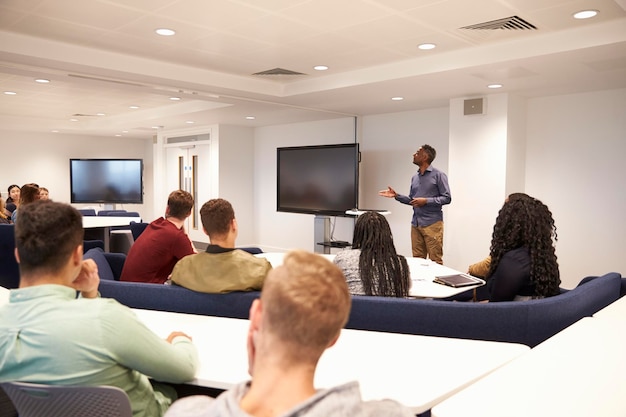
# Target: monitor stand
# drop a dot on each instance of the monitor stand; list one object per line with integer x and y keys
{"x": 109, "y": 207}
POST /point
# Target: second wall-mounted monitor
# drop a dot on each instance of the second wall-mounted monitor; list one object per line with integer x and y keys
{"x": 321, "y": 180}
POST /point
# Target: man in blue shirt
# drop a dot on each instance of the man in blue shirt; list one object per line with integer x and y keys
{"x": 429, "y": 192}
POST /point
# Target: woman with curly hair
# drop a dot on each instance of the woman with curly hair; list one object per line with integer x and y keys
{"x": 523, "y": 260}
{"x": 372, "y": 266}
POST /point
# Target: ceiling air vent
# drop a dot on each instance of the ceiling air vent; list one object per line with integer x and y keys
{"x": 278, "y": 71}
{"x": 511, "y": 23}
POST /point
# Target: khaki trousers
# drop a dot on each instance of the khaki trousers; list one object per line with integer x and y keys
{"x": 428, "y": 242}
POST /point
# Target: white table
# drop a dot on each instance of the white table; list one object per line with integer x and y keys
{"x": 423, "y": 272}
{"x": 578, "y": 372}
{"x": 105, "y": 223}
{"x": 418, "y": 371}
{"x": 615, "y": 310}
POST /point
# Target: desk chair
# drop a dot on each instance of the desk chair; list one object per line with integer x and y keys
{"x": 137, "y": 228}
{"x": 121, "y": 236}
{"x": 251, "y": 249}
{"x": 87, "y": 212}
{"x": 36, "y": 400}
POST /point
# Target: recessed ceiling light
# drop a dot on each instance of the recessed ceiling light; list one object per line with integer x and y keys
{"x": 585, "y": 14}
{"x": 427, "y": 46}
{"x": 73, "y": 120}
{"x": 100, "y": 114}
{"x": 320, "y": 68}
{"x": 124, "y": 131}
{"x": 10, "y": 93}
{"x": 397, "y": 98}
{"x": 118, "y": 134}
{"x": 165, "y": 32}
{"x": 190, "y": 122}
{"x": 133, "y": 107}
{"x": 42, "y": 81}
{"x": 54, "y": 131}
{"x": 494, "y": 86}
{"x": 250, "y": 117}
{"x": 174, "y": 98}
{"x": 155, "y": 127}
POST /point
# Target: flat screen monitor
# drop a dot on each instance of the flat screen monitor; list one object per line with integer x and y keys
{"x": 320, "y": 180}
{"x": 109, "y": 181}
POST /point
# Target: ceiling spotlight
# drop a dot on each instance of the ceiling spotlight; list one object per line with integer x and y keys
{"x": 585, "y": 14}
{"x": 124, "y": 131}
{"x": 10, "y": 93}
{"x": 174, "y": 98}
{"x": 165, "y": 32}
{"x": 54, "y": 131}
{"x": 427, "y": 46}
{"x": 320, "y": 68}
{"x": 73, "y": 120}
{"x": 100, "y": 114}
{"x": 397, "y": 98}
{"x": 42, "y": 81}
{"x": 133, "y": 107}
{"x": 118, "y": 134}
{"x": 190, "y": 122}
{"x": 494, "y": 86}
{"x": 250, "y": 117}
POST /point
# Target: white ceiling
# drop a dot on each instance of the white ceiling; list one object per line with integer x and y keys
{"x": 103, "y": 56}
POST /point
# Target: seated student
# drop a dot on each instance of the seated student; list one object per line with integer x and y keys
{"x": 49, "y": 336}
{"x": 44, "y": 194}
{"x": 28, "y": 194}
{"x": 5, "y": 215}
{"x": 523, "y": 260}
{"x": 13, "y": 200}
{"x": 302, "y": 309}
{"x": 222, "y": 268}
{"x": 481, "y": 268}
{"x": 372, "y": 266}
{"x": 164, "y": 242}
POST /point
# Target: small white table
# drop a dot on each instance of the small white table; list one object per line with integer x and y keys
{"x": 578, "y": 372}
{"x": 418, "y": 371}
{"x": 105, "y": 223}
{"x": 423, "y": 272}
{"x": 614, "y": 311}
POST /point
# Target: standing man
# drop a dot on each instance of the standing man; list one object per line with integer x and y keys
{"x": 163, "y": 243}
{"x": 429, "y": 192}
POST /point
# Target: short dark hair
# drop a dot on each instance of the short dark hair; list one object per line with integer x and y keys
{"x": 216, "y": 215}
{"x": 29, "y": 193}
{"x": 46, "y": 234}
{"x": 432, "y": 153}
{"x": 180, "y": 203}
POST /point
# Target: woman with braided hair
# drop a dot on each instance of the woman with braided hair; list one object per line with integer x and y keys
{"x": 523, "y": 260}
{"x": 372, "y": 266}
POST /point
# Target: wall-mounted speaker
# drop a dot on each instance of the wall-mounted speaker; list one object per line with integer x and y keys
{"x": 473, "y": 106}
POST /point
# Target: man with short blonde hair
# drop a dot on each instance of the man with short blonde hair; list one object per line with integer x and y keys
{"x": 303, "y": 307}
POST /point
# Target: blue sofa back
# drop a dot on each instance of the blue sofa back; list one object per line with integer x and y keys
{"x": 527, "y": 322}
{"x": 178, "y": 299}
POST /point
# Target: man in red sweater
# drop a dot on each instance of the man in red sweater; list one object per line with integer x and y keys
{"x": 153, "y": 255}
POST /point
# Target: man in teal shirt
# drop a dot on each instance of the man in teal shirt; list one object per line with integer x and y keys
{"x": 50, "y": 336}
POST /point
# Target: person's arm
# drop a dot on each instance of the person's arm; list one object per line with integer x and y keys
{"x": 509, "y": 277}
{"x": 444, "y": 197}
{"x": 480, "y": 269}
{"x": 88, "y": 280}
{"x": 135, "y": 346}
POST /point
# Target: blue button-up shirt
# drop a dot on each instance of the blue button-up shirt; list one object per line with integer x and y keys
{"x": 433, "y": 185}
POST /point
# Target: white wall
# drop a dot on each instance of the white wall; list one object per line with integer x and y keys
{"x": 575, "y": 164}
{"x": 44, "y": 160}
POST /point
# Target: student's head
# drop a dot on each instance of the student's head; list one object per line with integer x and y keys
{"x": 29, "y": 193}
{"x": 372, "y": 231}
{"x": 217, "y": 216}
{"x": 179, "y": 204}
{"x": 46, "y": 235}
{"x": 14, "y": 192}
{"x": 305, "y": 303}
{"x": 44, "y": 194}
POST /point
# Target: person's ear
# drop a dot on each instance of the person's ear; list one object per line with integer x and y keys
{"x": 17, "y": 256}
{"x": 77, "y": 255}
{"x": 256, "y": 311}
